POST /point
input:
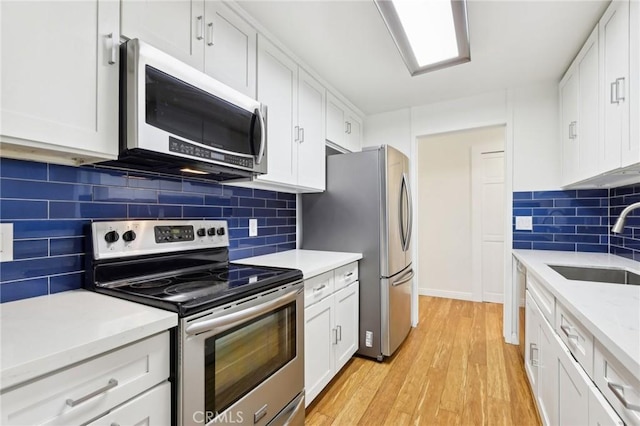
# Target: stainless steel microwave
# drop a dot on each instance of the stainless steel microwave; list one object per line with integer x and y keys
{"x": 175, "y": 119}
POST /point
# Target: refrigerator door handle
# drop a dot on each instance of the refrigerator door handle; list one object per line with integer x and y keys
{"x": 408, "y": 276}
{"x": 405, "y": 235}
{"x": 410, "y": 212}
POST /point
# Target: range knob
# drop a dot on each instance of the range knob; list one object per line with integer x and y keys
{"x": 211, "y": 232}
{"x": 129, "y": 236}
{"x": 220, "y": 231}
{"x": 202, "y": 232}
{"x": 111, "y": 237}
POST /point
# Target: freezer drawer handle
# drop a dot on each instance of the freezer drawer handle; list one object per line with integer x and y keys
{"x": 618, "y": 391}
{"x": 404, "y": 280}
{"x": 110, "y": 385}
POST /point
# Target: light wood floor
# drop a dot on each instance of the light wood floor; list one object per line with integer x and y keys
{"x": 454, "y": 368}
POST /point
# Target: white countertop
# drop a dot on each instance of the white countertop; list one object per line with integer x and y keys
{"x": 310, "y": 262}
{"x": 611, "y": 312}
{"x": 42, "y": 334}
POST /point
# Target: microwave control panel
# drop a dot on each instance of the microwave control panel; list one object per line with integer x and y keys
{"x": 185, "y": 148}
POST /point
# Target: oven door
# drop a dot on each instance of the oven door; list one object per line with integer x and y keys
{"x": 243, "y": 363}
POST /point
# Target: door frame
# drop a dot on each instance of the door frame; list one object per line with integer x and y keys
{"x": 476, "y": 209}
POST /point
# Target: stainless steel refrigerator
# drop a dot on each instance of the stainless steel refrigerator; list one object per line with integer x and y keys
{"x": 367, "y": 208}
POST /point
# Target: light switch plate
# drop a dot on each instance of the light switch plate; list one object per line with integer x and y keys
{"x": 6, "y": 242}
{"x": 524, "y": 223}
{"x": 253, "y": 227}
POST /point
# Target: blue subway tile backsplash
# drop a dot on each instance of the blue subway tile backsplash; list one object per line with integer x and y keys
{"x": 578, "y": 220}
{"x": 50, "y": 206}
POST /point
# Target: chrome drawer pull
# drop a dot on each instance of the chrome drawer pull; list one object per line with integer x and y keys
{"x": 319, "y": 287}
{"x": 112, "y": 384}
{"x": 618, "y": 391}
{"x": 566, "y": 330}
{"x": 348, "y": 274}
{"x": 533, "y": 347}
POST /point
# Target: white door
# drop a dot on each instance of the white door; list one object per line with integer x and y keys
{"x": 174, "y": 26}
{"x": 311, "y": 109}
{"x": 320, "y": 338}
{"x": 230, "y": 48}
{"x": 60, "y": 74}
{"x": 278, "y": 89}
{"x": 347, "y": 302}
{"x": 489, "y": 219}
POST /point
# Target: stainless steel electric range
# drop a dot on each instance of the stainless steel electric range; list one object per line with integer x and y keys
{"x": 238, "y": 349}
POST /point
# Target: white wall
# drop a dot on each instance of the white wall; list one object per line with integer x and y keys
{"x": 444, "y": 206}
{"x": 389, "y": 128}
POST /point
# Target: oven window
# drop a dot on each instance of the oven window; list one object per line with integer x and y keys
{"x": 184, "y": 110}
{"x": 240, "y": 359}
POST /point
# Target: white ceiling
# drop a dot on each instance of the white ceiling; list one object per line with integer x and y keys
{"x": 513, "y": 43}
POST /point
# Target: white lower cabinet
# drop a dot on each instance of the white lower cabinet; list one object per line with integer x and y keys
{"x": 84, "y": 392}
{"x": 331, "y": 329}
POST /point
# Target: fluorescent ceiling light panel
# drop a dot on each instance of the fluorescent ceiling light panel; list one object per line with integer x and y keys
{"x": 430, "y": 34}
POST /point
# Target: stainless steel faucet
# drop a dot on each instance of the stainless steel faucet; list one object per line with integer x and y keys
{"x": 617, "y": 228}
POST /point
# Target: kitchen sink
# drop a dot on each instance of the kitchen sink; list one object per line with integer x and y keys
{"x": 602, "y": 275}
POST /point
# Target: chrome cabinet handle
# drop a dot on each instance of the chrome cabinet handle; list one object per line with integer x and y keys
{"x": 618, "y": 391}
{"x": 612, "y": 93}
{"x": 567, "y": 331}
{"x": 319, "y": 287}
{"x": 349, "y": 127}
{"x": 110, "y": 385}
{"x": 296, "y": 134}
{"x": 347, "y": 275}
{"x": 346, "y": 127}
{"x": 572, "y": 130}
{"x": 335, "y": 335}
{"x": 200, "y": 27}
{"x": 301, "y": 134}
{"x": 114, "y": 49}
{"x": 533, "y": 347}
{"x": 210, "y": 39}
{"x": 620, "y": 81}
{"x": 339, "y": 332}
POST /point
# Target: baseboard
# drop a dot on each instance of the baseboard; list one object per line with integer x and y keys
{"x": 494, "y": 297}
{"x": 460, "y": 295}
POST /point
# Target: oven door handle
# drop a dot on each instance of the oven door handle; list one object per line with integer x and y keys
{"x": 225, "y": 322}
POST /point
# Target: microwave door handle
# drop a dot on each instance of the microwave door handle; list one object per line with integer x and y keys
{"x": 225, "y": 322}
{"x": 263, "y": 135}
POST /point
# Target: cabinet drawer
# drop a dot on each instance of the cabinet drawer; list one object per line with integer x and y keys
{"x": 600, "y": 412}
{"x": 617, "y": 385}
{"x": 543, "y": 297}
{"x": 345, "y": 275}
{"x": 82, "y": 392}
{"x": 151, "y": 408}
{"x": 317, "y": 288}
{"x": 576, "y": 337}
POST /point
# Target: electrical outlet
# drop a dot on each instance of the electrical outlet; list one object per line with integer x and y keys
{"x": 524, "y": 223}
{"x": 368, "y": 339}
{"x": 253, "y": 227}
{"x": 6, "y": 242}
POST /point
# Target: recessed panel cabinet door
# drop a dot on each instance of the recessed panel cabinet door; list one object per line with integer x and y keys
{"x": 336, "y": 121}
{"x": 347, "y": 302}
{"x": 174, "y": 26}
{"x": 319, "y": 340}
{"x": 60, "y": 75}
{"x": 569, "y": 125}
{"x": 230, "y": 48}
{"x": 588, "y": 107}
{"x": 311, "y": 155}
{"x": 277, "y": 89}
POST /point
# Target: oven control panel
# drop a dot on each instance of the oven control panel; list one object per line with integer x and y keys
{"x": 125, "y": 238}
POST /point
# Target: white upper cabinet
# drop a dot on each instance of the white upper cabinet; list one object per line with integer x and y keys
{"x": 569, "y": 123}
{"x": 207, "y": 35}
{"x": 175, "y": 27}
{"x": 295, "y": 123}
{"x": 343, "y": 126}
{"x": 614, "y": 47}
{"x": 60, "y": 80}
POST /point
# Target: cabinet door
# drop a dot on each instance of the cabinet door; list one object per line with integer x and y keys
{"x": 573, "y": 389}
{"x": 174, "y": 26}
{"x": 354, "y": 133}
{"x": 320, "y": 337}
{"x": 588, "y": 107}
{"x": 60, "y": 75}
{"x": 336, "y": 127}
{"x": 547, "y": 387}
{"x": 569, "y": 123}
{"x": 151, "y": 408}
{"x": 531, "y": 351}
{"x": 600, "y": 412}
{"x": 347, "y": 302}
{"x": 277, "y": 89}
{"x": 311, "y": 109}
{"x": 230, "y": 52}
{"x": 614, "y": 45}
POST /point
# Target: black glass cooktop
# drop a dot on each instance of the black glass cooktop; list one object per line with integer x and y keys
{"x": 195, "y": 291}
